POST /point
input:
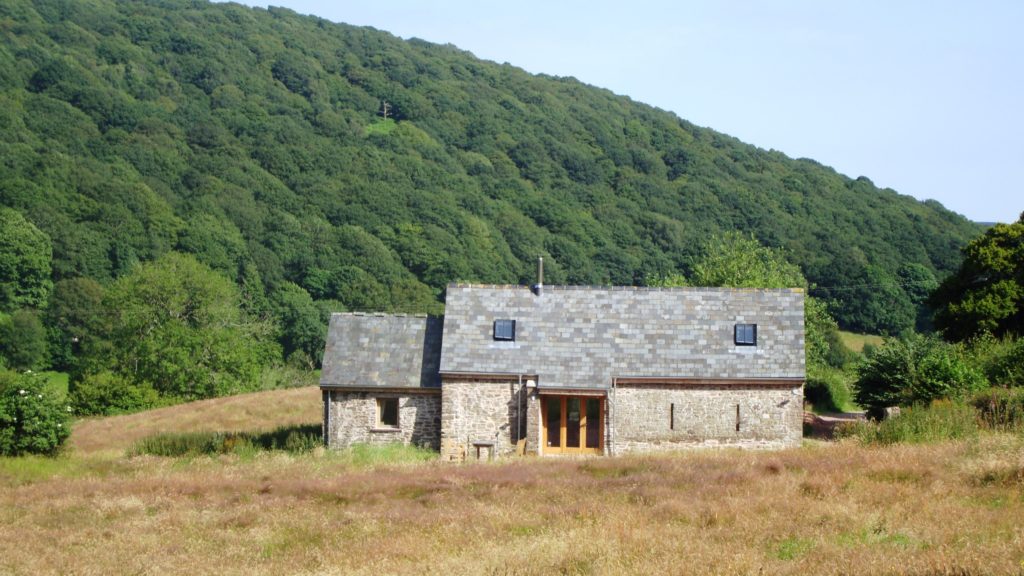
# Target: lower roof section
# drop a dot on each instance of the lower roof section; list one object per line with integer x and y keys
{"x": 382, "y": 351}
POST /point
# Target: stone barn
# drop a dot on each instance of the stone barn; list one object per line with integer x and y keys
{"x": 571, "y": 370}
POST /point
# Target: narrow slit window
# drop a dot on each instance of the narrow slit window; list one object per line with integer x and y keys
{"x": 387, "y": 412}
{"x": 746, "y": 335}
{"x": 737, "y": 417}
{"x": 672, "y": 416}
{"x": 505, "y": 330}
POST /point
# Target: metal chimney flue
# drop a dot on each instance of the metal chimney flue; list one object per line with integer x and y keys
{"x": 538, "y": 288}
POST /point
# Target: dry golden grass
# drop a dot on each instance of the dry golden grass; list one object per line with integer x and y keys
{"x": 953, "y": 508}
{"x": 256, "y": 411}
{"x": 824, "y": 509}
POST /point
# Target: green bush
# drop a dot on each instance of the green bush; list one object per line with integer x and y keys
{"x": 1001, "y": 408}
{"x": 32, "y": 421}
{"x": 942, "y": 372}
{"x": 938, "y": 421}
{"x": 828, "y": 389}
{"x": 917, "y": 369}
{"x": 1001, "y": 359}
{"x": 293, "y": 439}
{"x": 1008, "y": 369}
{"x": 184, "y": 444}
{"x": 107, "y": 393}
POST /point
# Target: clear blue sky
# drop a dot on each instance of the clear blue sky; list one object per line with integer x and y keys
{"x": 924, "y": 97}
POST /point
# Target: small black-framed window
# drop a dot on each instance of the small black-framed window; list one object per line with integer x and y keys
{"x": 505, "y": 330}
{"x": 387, "y": 412}
{"x": 746, "y": 335}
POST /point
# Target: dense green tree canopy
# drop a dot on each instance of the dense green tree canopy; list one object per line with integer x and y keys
{"x": 303, "y": 326}
{"x": 987, "y": 293}
{"x": 177, "y": 326}
{"x": 77, "y": 322}
{"x": 252, "y": 139}
{"x": 23, "y": 340}
{"x": 882, "y": 304}
{"x": 25, "y": 254}
{"x": 741, "y": 262}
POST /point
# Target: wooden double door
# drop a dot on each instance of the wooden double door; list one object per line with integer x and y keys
{"x": 572, "y": 424}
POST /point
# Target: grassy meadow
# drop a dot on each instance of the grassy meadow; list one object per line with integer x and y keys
{"x": 825, "y": 508}
{"x": 856, "y": 342}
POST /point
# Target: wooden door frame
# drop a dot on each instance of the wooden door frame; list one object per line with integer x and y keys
{"x": 562, "y": 400}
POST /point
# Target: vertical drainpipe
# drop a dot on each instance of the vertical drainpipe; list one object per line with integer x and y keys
{"x": 519, "y": 420}
{"x": 611, "y": 419}
{"x": 538, "y": 289}
{"x": 327, "y": 418}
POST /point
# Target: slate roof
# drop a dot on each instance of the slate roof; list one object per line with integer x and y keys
{"x": 378, "y": 350}
{"x": 582, "y": 337}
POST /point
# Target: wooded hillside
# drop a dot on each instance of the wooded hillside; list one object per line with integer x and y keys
{"x": 254, "y": 140}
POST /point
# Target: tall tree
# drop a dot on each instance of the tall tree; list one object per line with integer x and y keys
{"x": 302, "y": 328}
{"x": 25, "y": 254}
{"x": 879, "y": 304}
{"x": 23, "y": 340}
{"x": 77, "y": 322}
{"x": 987, "y": 293}
{"x": 740, "y": 261}
{"x": 177, "y": 325}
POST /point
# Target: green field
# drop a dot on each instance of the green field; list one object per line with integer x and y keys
{"x": 56, "y": 383}
{"x": 856, "y": 342}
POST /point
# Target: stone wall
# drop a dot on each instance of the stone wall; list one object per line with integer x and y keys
{"x": 534, "y": 430}
{"x": 641, "y": 417}
{"x": 475, "y": 411}
{"x": 353, "y": 419}
{"x": 653, "y": 417}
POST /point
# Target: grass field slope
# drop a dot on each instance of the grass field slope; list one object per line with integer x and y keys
{"x": 825, "y": 508}
{"x": 245, "y": 412}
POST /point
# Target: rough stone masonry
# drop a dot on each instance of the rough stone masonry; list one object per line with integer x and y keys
{"x": 673, "y": 368}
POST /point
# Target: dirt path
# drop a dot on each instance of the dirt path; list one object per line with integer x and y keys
{"x": 823, "y": 426}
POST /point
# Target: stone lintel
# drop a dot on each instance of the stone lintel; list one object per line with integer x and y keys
{"x": 567, "y": 391}
{"x": 390, "y": 390}
{"x": 486, "y": 377}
